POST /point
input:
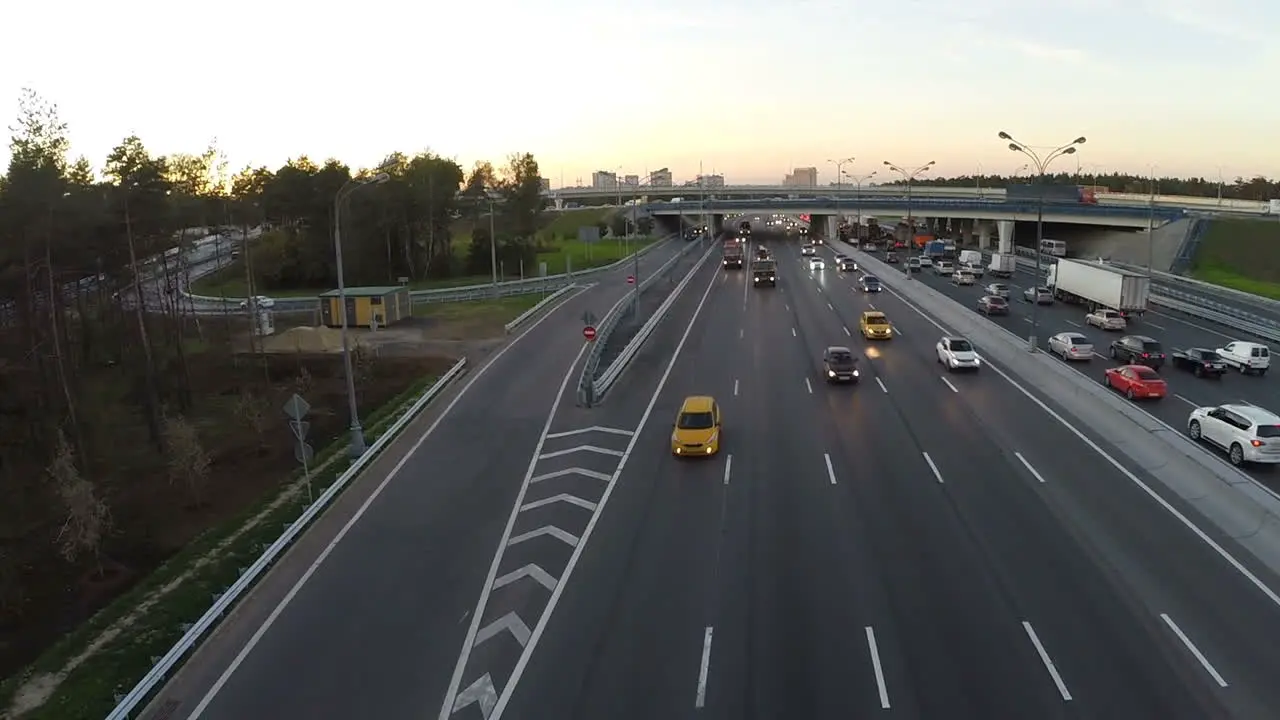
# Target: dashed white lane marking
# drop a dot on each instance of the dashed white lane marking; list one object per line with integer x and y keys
{"x": 1204, "y": 662}
{"x": 1185, "y": 400}
{"x": 793, "y": 332}
{"x": 846, "y": 331}
{"x": 703, "y": 668}
{"x": 948, "y": 382}
{"x": 808, "y": 385}
{"x": 875, "y": 666}
{"x": 728, "y": 468}
{"x": 735, "y": 386}
{"x": 832, "y": 309}
{"x": 1048, "y": 662}
{"x": 1028, "y": 466}
{"x": 831, "y": 472}
{"x": 932, "y": 467}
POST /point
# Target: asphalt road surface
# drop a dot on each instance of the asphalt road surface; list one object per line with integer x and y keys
{"x": 1173, "y": 330}
{"x": 921, "y": 545}
{"x": 372, "y": 628}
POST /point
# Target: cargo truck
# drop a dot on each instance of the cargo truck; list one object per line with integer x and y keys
{"x": 1098, "y": 285}
{"x": 733, "y": 252}
{"x": 764, "y": 272}
{"x": 1052, "y": 193}
{"x": 970, "y": 257}
{"x": 935, "y": 249}
{"x": 1002, "y": 266}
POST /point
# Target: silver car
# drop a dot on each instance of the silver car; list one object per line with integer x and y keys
{"x": 1104, "y": 319}
{"x": 1038, "y": 295}
{"x": 1071, "y": 346}
{"x": 999, "y": 290}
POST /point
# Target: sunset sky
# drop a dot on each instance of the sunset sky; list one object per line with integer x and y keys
{"x": 747, "y": 88}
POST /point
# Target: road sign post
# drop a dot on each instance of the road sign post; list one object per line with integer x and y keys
{"x": 589, "y": 332}
{"x": 296, "y": 408}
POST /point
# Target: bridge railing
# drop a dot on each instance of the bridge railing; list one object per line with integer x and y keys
{"x": 921, "y": 206}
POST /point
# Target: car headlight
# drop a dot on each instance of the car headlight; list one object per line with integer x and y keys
{"x": 855, "y": 373}
{"x": 831, "y": 373}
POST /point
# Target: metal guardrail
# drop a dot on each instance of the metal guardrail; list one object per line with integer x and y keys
{"x": 609, "y": 323}
{"x": 461, "y": 293}
{"x": 523, "y": 317}
{"x": 192, "y": 637}
{"x": 601, "y": 386}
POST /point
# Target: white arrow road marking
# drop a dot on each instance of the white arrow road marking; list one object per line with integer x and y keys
{"x": 562, "y": 497}
{"x": 510, "y": 622}
{"x": 581, "y": 448}
{"x": 593, "y": 428}
{"x": 602, "y": 477}
{"x": 567, "y": 538}
{"x": 528, "y": 571}
{"x": 481, "y": 691}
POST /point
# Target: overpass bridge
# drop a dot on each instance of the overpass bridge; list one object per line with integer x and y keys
{"x": 596, "y": 196}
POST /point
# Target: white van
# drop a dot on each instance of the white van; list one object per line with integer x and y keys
{"x": 1247, "y": 357}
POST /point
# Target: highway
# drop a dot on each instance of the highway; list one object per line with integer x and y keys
{"x": 371, "y": 626}
{"x": 918, "y": 546}
{"x": 1173, "y": 330}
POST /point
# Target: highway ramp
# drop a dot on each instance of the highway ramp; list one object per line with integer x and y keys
{"x": 987, "y": 592}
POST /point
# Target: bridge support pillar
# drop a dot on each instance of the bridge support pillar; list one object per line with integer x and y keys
{"x": 832, "y": 228}
{"x": 1006, "y": 237}
{"x": 717, "y": 224}
{"x": 983, "y": 229}
{"x": 559, "y": 203}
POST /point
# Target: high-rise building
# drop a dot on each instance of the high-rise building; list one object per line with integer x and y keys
{"x": 604, "y": 180}
{"x": 631, "y": 181}
{"x": 711, "y": 181}
{"x": 660, "y": 178}
{"x": 802, "y": 177}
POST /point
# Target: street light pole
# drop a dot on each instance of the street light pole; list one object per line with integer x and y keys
{"x": 911, "y": 223}
{"x": 1151, "y": 222}
{"x": 357, "y": 446}
{"x": 839, "y": 186}
{"x": 493, "y": 245}
{"x": 1040, "y": 164}
{"x": 859, "y": 179}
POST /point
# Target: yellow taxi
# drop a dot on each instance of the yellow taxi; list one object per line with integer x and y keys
{"x": 875, "y": 326}
{"x": 697, "y": 427}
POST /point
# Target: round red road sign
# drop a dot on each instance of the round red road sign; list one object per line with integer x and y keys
{"x": 589, "y": 332}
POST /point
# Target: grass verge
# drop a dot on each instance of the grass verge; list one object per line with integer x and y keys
{"x": 109, "y": 654}
{"x": 1242, "y": 254}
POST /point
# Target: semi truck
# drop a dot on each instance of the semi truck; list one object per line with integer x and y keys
{"x": 1099, "y": 285}
{"x": 733, "y": 252}
{"x": 764, "y": 272}
{"x": 1002, "y": 265}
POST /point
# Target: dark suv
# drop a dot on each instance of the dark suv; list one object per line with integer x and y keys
{"x": 1138, "y": 350}
{"x": 839, "y": 365}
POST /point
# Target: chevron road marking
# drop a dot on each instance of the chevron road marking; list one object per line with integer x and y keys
{"x": 593, "y": 428}
{"x": 562, "y": 497}
{"x": 481, "y": 691}
{"x": 581, "y": 448}
{"x": 567, "y": 538}
{"x": 528, "y": 571}
{"x": 510, "y": 622}
{"x": 593, "y": 474}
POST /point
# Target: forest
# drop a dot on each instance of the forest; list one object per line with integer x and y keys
{"x": 127, "y": 426}
{"x": 1256, "y": 188}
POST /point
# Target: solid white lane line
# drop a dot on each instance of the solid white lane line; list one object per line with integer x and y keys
{"x": 808, "y": 385}
{"x": 831, "y": 472}
{"x": 948, "y": 382}
{"x": 1204, "y": 662}
{"x": 703, "y": 668}
{"x": 1027, "y": 465}
{"x": 846, "y": 331}
{"x": 883, "y": 389}
{"x": 793, "y": 332}
{"x": 932, "y": 467}
{"x": 875, "y": 666}
{"x": 728, "y": 468}
{"x": 735, "y": 386}
{"x": 1048, "y": 662}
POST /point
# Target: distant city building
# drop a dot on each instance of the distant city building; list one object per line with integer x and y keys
{"x": 631, "y": 181}
{"x": 544, "y": 184}
{"x": 660, "y": 178}
{"x": 604, "y": 180}
{"x": 802, "y": 177}
{"x": 711, "y": 181}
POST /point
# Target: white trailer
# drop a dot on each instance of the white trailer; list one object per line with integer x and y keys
{"x": 970, "y": 257}
{"x": 1099, "y": 285}
{"x": 1003, "y": 265}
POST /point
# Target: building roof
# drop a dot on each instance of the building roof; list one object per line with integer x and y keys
{"x": 371, "y": 291}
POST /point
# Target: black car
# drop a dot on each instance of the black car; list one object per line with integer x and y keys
{"x": 1201, "y": 362}
{"x": 1138, "y": 350}
{"x": 869, "y": 283}
{"x": 847, "y": 265}
{"x": 839, "y": 365}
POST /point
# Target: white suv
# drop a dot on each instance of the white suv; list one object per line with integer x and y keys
{"x": 956, "y": 353}
{"x": 1248, "y": 433}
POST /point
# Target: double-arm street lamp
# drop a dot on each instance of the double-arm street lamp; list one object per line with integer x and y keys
{"x": 858, "y": 180}
{"x": 357, "y": 432}
{"x": 840, "y": 183}
{"x": 1040, "y": 164}
{"x": 909, "y": 177}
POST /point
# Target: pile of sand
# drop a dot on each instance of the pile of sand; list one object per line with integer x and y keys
{"x": 305, "y": 340}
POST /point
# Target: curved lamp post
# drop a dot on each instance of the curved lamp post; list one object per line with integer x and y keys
{"x": 909, "y": 176}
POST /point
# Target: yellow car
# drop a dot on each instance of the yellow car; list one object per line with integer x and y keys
{"x": 875, "y": 326}
{"x": 697, "y": 427}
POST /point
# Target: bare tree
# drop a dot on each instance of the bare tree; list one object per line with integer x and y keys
{"x": 87, "y": 516}
{"x": 188, "y": 462}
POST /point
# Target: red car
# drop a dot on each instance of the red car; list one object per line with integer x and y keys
{"x": 1135, "y": 381}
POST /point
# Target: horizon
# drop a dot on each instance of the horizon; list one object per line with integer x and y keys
{"x": 760, "y": 104}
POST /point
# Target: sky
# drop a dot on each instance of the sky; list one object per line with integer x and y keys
{"x": 748, "y": 88}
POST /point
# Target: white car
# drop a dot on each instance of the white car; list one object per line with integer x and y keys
{"x": 1071, "y": 346}
{"x": 1106, "y": 320}
{"x": 999, "y": 290}
{"x": 808, "y": 250}
{"x": 1248, "y": 433}
{"x": 956, "y": 353}
{"x": 1246, "y": 357}
{"x": 262, "y": 301}
{"x": 817, "y": 264}
{"x": 974, "y": 269}
{"x": 925, "y": 261}
{"x": 943, "y": 268}
{"x": 962, "y": 278}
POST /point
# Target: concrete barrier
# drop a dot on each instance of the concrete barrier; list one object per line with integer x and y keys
{"x": 1232, "y": 501}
